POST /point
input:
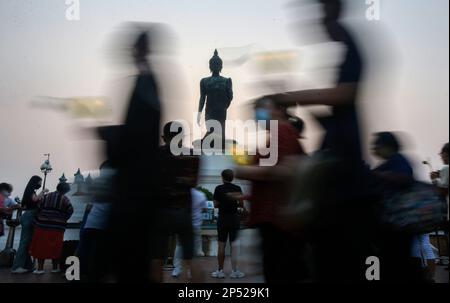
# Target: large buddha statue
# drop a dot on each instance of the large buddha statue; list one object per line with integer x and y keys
{"x": 216, "y": 92}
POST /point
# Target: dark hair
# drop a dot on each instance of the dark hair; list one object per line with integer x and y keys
{"x": 445, "y": 149}
{"x": 168, "y": 134}
{"x": 141, "y": 45}
{"x": 63, "y": 188}
{"x": 105, "y": 165}
{"x": 6, "y": 186}
{"x": 332, "y": 8}
{"x": 228, "y": 175}
{"x": 387, "y": 139}
{"x": 31, "y": 187}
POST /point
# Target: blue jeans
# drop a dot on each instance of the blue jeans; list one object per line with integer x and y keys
{"x": 23, "y": 258}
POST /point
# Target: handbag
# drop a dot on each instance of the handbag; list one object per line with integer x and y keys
{"x": 418, "y": 209}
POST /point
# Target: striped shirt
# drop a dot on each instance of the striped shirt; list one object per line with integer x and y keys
{"x": 53, "y": 212}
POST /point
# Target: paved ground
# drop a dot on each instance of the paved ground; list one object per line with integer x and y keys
{"x": 208, "y": 264}
{"x": 249, "y": 263}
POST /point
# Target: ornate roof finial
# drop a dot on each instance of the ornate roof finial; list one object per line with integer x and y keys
{"x": 78, "y": 177}
{"x": 63, "y": 179}
{"x": 89, "y": 179}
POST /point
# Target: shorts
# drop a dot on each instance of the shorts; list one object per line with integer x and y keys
{"x": 228, "y": 226}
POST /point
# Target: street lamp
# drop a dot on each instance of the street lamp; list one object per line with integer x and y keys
{"x": 46, "y": 168}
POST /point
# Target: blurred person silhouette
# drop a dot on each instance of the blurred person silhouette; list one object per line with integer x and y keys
{"x": 228, "y": 224}
{"x": 342, "y": 128}
{"x": 282, "y": 251}
{"x": 53, "y": 212}
{"x": 199, "y": 205}
{"x": 422, "y": 248}
{"x": 6, "y": 190}
{"x": 393, "y": 176}
{"x": 440, "y": 179}
{"x": 179, "y": 174}
{"x": 7, "y": 205}
{"x": 132, "y": 149}
{"x": 346, "y": 218}
{"x": 93, "y": 248}
{"x": 23, "y": 262}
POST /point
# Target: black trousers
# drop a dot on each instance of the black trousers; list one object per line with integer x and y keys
{"x": 94, "y": 257}
{"x": 397, "y": 265}
{"x": 175, "y": 222}
{"x": 283, "y": 255}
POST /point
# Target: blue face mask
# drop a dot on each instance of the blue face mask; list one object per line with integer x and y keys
{"x": 262, "y": 114}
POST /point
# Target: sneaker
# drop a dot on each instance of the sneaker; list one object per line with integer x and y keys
{"x": 19, "y": 270}
{"x": 237, "y": 275}
{"x": 176, "y": 272}
{"x": 218, "y": 274}
{"x": 39, "y": 272}
{"x": 55, "y": 271}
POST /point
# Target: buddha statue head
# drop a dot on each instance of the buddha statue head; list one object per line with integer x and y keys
{"x": 215, "y": 63}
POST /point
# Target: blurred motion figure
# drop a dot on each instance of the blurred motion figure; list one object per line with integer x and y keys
{"x": 346, "y": 217}
{"x": 133, "y": 152}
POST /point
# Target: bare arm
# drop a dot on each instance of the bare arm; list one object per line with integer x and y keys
{"x": 282, "y": 171}
{"x": 253, "y": 173}
{"x": 398, "y": 179}
{"x": 341, "y": 95}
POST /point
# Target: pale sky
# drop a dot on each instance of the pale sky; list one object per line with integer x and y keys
{"x": 42, "y": 53}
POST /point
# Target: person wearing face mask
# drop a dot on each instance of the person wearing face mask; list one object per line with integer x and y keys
{"x": 22, "y": 262}
{"x": 282, "y": 250}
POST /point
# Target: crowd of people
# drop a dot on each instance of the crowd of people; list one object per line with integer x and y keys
{"x": 291, "y": 252}
{"x": 319, "y": 215}
{"x": 42, "y": 224}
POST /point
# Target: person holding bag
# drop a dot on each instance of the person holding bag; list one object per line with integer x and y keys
{"x": 409, "y": 209}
